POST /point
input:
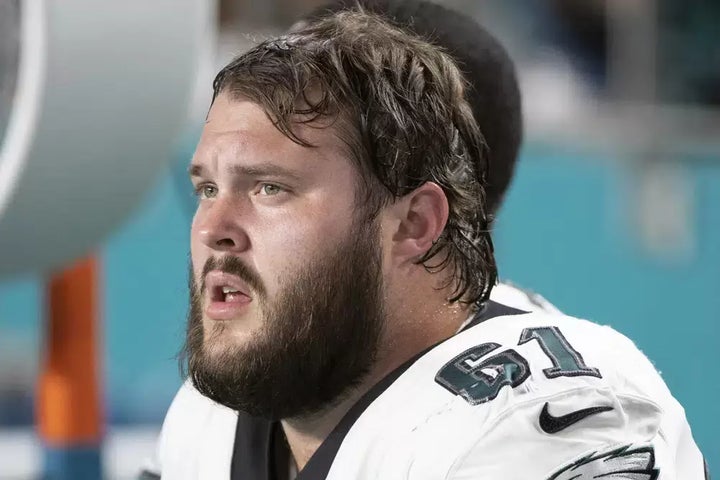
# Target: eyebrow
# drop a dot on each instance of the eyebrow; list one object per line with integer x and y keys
{"x": 195, "y": 170}
{"x": 256, "y": 170}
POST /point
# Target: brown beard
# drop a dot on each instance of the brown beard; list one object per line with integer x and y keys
{"x": 319, "y": 338}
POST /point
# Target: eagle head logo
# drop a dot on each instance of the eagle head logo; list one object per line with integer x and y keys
{"x": 623, "y": 463}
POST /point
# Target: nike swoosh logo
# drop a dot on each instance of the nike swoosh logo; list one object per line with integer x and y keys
{"x": 551, "y": 424}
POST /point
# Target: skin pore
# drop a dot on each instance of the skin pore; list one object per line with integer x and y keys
{"x": 280, "y": 208}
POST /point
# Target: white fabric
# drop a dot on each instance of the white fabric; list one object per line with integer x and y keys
{"x": 196, "y": 440}
{"x": 516, "y": 297}
{"x": 419, "y": 430}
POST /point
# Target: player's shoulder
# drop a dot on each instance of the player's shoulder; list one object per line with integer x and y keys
{"x": 540, "y": 353}
{"x": 512, "y": 295}
{"x": 195, "y": 428}
{"x": 557, "y": 334}
{"x": 487, "y": 387}
{"x": 569, "y": 390}
{"x": 541, "y": 379}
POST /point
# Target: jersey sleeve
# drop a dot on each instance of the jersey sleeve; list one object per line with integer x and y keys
{"x": 624, "y": 443}
{"x": 553, "y": 398}
{"x": 196, "y": 439}
{"x": 151, "y": 468}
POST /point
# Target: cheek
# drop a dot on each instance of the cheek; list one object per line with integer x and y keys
{"x": 277, "y": 253}
{"x": 197, "y": 219}
{"x": 282, "y": 251}
{"x": 198, "y": 253}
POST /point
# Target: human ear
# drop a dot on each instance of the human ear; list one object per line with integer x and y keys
{"x": 421, "y": 218}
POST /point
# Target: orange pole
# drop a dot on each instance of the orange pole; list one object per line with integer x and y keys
{"x": 69, "y": 415}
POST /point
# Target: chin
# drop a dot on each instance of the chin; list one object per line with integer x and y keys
{"x": 221, "y": 336}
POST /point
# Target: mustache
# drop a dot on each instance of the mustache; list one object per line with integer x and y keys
{"x": 233, "y": 266}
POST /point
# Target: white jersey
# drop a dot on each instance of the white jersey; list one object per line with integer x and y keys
{"x": 518, "y": 396}
{"x": 506, "y": 293}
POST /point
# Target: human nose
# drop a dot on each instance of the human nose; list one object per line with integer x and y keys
{"x": 220, "y": 227}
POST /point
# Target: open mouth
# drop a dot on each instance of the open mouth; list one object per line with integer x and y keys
{"x": 227, "y": 294}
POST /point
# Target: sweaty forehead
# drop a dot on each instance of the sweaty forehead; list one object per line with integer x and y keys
{"x": 239, "y": 125}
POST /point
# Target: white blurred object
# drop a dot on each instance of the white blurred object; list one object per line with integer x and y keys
{"x": 124, "y": 450}
{"x": 553, "y": 92}
{"x": 103, "y": 90}
{"x": 665, "y": 211}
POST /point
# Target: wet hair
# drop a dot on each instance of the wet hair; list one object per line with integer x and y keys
{"x": 493, "y": 91}
{"x": 398, "y": 102}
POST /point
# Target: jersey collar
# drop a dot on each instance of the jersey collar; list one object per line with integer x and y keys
{"x": 261, "y": 452}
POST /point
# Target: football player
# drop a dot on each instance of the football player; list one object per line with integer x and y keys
{"x": 341, "y": 269}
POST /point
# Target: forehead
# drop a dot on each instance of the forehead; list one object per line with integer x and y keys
{"x": 239, "y": 129}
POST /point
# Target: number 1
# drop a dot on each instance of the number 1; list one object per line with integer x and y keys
{"x": 567, "y": 362}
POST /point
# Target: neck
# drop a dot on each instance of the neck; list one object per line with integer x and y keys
{"x": 306, "y": 434}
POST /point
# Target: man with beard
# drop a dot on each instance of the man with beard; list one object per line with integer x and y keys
{"x": 494, "y": 97}
{"x": 340, "y": 280}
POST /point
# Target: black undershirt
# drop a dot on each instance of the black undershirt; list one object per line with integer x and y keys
{"x": 261, "y": 451}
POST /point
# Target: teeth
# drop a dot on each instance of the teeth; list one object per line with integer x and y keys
{"x": 229, "y": 290}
